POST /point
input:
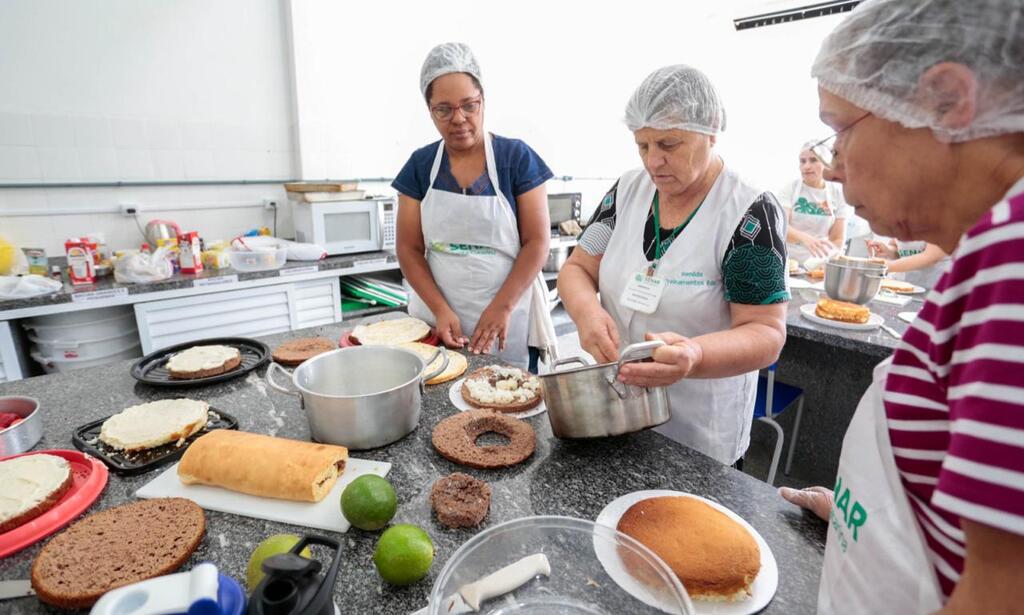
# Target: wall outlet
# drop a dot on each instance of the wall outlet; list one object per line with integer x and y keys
{"x": 269, "y": 203}
{"x": 129, "y": 209}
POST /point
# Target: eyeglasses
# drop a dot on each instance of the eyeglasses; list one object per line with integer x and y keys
{"x": 444, "y": 113}
{"x": 832, "y": 148}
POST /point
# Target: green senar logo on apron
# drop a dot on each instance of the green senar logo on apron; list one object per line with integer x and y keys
{"x": 846, "y": 511}
{"x": 803, "y": 206}
{"x": 461, "y": 249}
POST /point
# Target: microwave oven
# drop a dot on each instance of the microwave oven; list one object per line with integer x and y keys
{"x": 564, "y": 206}
{"x": 347, "y": 227}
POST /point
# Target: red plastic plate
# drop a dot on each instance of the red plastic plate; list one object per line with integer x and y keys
{"x": 88, "y": 478}
{"x": 347, "y": 339}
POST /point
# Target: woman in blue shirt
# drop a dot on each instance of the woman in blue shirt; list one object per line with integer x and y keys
{"x": 473, "y": 226}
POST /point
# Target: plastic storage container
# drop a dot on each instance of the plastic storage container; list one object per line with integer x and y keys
{"x": 258, "y": 259}
{"x": 75, "y": 340}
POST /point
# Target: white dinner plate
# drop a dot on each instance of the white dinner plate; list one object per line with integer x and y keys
{"x": 917, "y": 290}
{"x": 874, "y": 320}
{"x": 907, "y": 316}
{"x": 798, "y": 283}
{"x": 455, "y": 395}
{"x": 763, "y": 588}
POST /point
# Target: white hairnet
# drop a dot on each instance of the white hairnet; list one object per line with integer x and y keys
{"x": 448, "y": 58}
{"x": 677, "y": 96}
{"x": 818, "y": 150}
{"x": 876, "y": 56}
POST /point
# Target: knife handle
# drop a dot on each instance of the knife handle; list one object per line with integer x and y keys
{"x": 507, "y": 579}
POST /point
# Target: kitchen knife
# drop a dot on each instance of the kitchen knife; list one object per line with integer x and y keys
{"x": 16, "y": 589}
{"x": 511, "y": 577}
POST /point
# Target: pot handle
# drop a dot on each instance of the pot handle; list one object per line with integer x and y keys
{"x": 444, "y": 365}
{"x": 276, "y": 386}
{"x": 633, "y": 352}
{"x": 568, "y": 361}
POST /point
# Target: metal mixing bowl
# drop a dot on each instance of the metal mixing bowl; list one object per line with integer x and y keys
{"x": 853, "y": 281}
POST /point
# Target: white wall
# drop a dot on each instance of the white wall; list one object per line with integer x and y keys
{"x": 556, "y": 74}
{"x": 194, "y": 89}
{"x": 140, "y": 90}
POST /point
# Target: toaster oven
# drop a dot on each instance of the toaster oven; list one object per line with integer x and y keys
{"x": 564, "y": 206}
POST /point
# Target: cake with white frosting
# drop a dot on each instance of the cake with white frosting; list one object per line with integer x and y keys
{"x": 203, "y": 361}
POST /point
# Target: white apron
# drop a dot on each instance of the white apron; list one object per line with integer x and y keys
{"x": 471, "y": 243}
{"x": 926, "y": 277}
{"x": 712, "y": 416}
{"x": 815, "y": 225}
{"x": 875, "y": 558}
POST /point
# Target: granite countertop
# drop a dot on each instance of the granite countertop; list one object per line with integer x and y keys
{"x": 573, "y": 478}
{"x": 877, "y": 343}
{"x": 207, "y": 276}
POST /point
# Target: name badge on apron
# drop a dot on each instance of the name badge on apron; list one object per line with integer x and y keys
{"x": 643, "y": 292}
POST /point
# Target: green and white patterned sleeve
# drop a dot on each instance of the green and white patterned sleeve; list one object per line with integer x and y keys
{"x": 754, "y": 266}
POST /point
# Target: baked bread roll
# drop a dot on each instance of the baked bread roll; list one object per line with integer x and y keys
{"x": 714, "y": 557}
{"x": 262, "y": 465}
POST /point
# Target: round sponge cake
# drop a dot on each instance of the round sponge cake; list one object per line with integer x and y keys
{"x": 714, "y": 557}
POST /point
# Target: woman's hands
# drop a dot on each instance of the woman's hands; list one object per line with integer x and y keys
{"x": 598, "y": 334}
{"x": 449, "y": 329}
{"x": 887, "y": 251}
{"x": 820, "y": 248}
{"x": 818, "y": 500}
{"x": 492, "y": 327}
{"x": 672, "y": 362}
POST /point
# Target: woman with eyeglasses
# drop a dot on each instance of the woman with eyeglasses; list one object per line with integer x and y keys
{"x": 927, "y": 513}
{"x": 815, "y": 209}
{"x": 683, "y": 250}
{"x": 473, "y": 226}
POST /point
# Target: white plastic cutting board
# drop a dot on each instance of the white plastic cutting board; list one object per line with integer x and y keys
{"x": 322, "y": 515}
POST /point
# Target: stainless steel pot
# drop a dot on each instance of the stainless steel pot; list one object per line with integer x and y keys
{"x": 853, "y": 280}
{"x": 23, "y": 436}
{"x": 363, "y": 396}
{"x": 556, "y": 258}
{"x": 590, "y": 402}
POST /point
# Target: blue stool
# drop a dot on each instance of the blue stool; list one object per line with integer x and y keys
{"x": 772, "y": 399}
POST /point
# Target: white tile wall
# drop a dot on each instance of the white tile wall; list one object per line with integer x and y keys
{"x": 98, "y": 163}
{"x": 93, "y": 132}
{"x": 129, "y": 133}
{"x": 157, "y": 202}
{"x": 17, "y": 162}
{"x": 59, "y": 163}
{"x": 134, "y": 164}
{"x": 16, "y": 129}
{"x": 53, "y": 130}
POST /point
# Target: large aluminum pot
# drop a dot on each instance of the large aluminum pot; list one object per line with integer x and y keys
{"x": 590, "y": 402}
{"x": 853, "y": 280}
{"x": 363, "y": 396}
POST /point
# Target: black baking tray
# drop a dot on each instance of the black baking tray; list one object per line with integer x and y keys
{"x": 86, "y": 439}
{"x": 151, "y": 369}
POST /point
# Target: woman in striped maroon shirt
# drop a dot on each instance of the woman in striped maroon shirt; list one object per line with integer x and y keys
{"x": 927, "y": 513}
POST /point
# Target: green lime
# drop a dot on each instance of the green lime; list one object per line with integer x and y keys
{"x": 278, "y": 543}
{"x": 403, "y": 555}
{"x": 369, "y": 502}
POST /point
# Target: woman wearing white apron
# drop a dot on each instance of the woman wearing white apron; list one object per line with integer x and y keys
{"x": 927, "y": 511}
{"x": 473, "y": 225}
{"x": 917, "y": 262}
{"x": 685, "y": 251}
{"x": 815, "y": 209}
